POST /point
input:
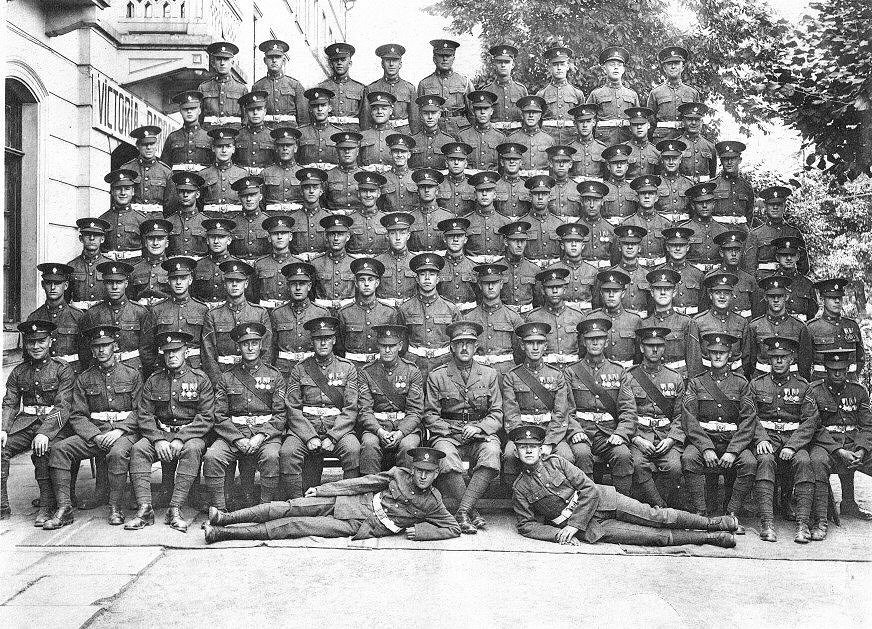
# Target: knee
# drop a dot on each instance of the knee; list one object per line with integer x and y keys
{"x": 620, "y": 455}
{"x": 55, "y": 457}
{"x": 746, "y": 463}
{"x": 765, "y": 462}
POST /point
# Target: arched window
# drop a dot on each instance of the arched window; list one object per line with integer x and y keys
{"x": 131, "y": 10}
{"x": 148, "y": 9}
{"x": 166, "y": 9}
{"x": 182, "y": 10}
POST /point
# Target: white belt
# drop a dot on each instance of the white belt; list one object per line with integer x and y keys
{"x": 767, "y": 266}
{"x": 343, "y": 120}
{"x": 167, "y": 427}
{"x": 626, "y": 364}
{"x": 84, "y": 305}
{"x": 439, "y": 252}
{"x": 192, "y": 351}
{"x": 670, "y": 124}
{"x": 492, "y": 359}
{"x": 852, "y": 368}
{"x": 505, "y": 124}
{"x": 485, "y": 258}
{"x": 361, "y": 358}
{"x": 676, "y": 364}
{"x": 429, "y": 352}
{"x": 540, "y": 418}
{"x": 321, "y": 165}
{"x": 322, "y": 411}
{"x": 36, "y": 410}
{"x": 641, "y": 313}
{"x": 767, "y": 368}
{"x": 686, "y": 310}
{"x": 567, "y": 218}
{"x": 801, "y": 317}
{"x": 116, "y": 254}
{"x": 334, "y": 303}
{"x": 389, "y": 417}
{"x": 567, "y": 510}
{"x": 579, "y": 305}
{"x": 557, "y": 123}
{"x": 580, "y": 178}
{"x": 469, "y": 172}
{"x": 392, "y": 302}
{"x": 147, "y": 207}
{"x": 600, "y": 264}
{"x": 736, "y": 364}
{"x": 289, "y": 206}
{"x": 307, "y": 256}
{"x": 543, "y": 262}
{"x": 719, "y": 426}
{"x": 251, "y": 420}
{"x": 147, "y": 301}
{"x": 466, "y": 306}
{"x": 396, "y": 123}
{"x": 110, "y": 416}
{"x": 520, "y": 309}
{"x": 134, "y": 353}
{"x": 221, "y": 120}
{"x": 531, "y": 172}
{"x": 779, "y": 426}
{"x": 702, "y": 178}
{"x": 652, "y": 261}
{"x": 280, "y": 118}
{"x": 222, "y": 207}
{"x": 253, "y": 170}
{"x": 676, "y": 217}
{"x": 560, "y": 359}
{"x": 272, "y": 303}
{"x": 614, "y": 220}
{"x": 597, "y": 417}
{"x": 744, "y": 313}
{"x": 68, "y": 358}
{"x": 731, "y": 220}
{"x": 652, "y": 422}
{"x": 295, "y": 355}
{"x": 214, "y": 304}
{"x": 189, "y": 168}
{"x": 705, "y": 267}
{"x": 842, "y": 428}
{"x": 382, "y": 516}
{"x": 230, "y": 359}
{"x": 376, "y": 168}
{"x": 613, "y": 122}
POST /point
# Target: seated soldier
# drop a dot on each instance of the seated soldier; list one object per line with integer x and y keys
{"x": 554, "y": 501}
{"x": 376, "y": 505}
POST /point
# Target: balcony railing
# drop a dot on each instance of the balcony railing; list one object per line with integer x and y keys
{"x": 215, "y": 19}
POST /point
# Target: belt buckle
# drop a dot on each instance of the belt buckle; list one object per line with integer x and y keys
{"x": 429, "y": 353}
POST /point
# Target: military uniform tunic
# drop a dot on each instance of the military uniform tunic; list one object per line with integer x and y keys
{"x": 620, "y": 201}
{"x": 748, "y": 300}
{"x": 303, "y": 394}
{"x": 562, "y": 340}
{"x": 428, "y": 149}
{"x": 374, "y": 149}
{"x": 101, "y": 390}
{"x": 512, "y": 198}
{"x": 498, "y": 346}
{"x": 845, "y": 419}
{"x": 188, "y": 237}
{"x": 292, "y": 342}
{"x": 254, "y": 148}
{"x": 453, "y": 87}
{"x": 358, "y": 341}
{"x": 400, "y": 192}
{"x": 408, "y": 385}
{"x": 636, "y": 293}
{"x": 132, "y": 318}
{"x": 704, "y": 253}
{"x": 219, "y": 352}
{"x": 564, "y": 200}
{"x": 683, "y": 353}
{"x": 763, "y": 235}
{"x": 398, "y": 281}
{"x": 506, "y": 112}
{"x": 652, "y": 250}
{"x": 699, "y": 160}
{"x": 307, "y": 235}
{"x": 334, "y": 280}
{"x": 612, "y": 102}
{"x": 591, "y": 415}
{"x": 672, "y": 202}
{"x": 483, "y": 232}
{"x": 484, "y": 140}
{"x": 522, "y": 407}
{"x": 536, "y": 141}
{"x": 587, "y": 161}
{"x": 179, "y": 315}
{"x": 270, "y": 285}
{"x": 621, "y": 341}
{"x": 190, "y": 145}
{"x": 788, "y": 418}
{"x": 689, "y": 292}
{"x": 208, "y": 283}
{"x": 123, "y": 233}
{"x": 281, "y": 187}
{"x": 644, "y": 159}
{"x": 285, "y": 102}
{"x": 582, "y": 277}
{"x": 801, "y": 301}
{"x": 664, "y": 100}
{"x": 315, "y": 146}
{"x": 405, "y": 114}
{"x": 425, "y": 235}
{"x": 731, "y": 323}
{"x": 221, "y": 96}
{"x": 457, "y": 281}
{"x": 671, "y": 386}
{"x": 368, "y": 236}
{"x": 601, "y": 244}
{"x": 457, "y": 195}
{"x": 519, "y": 284}
{"x": 341, "y": 189}
{"x": 347, "y": 101}
{"x": 840, "y": 332}
{"x": 218, "y": 196}
{"x": 785, "y": 326}
{"x": 250, "y": 239}
{"x": 543, "y": 243}
{"x": 734, "y": 432}
{"x": 86, "y": 284}
{"x": 154, "y": 186}
{"x": 148, "y": 274}
{"x": 734, "y": 200}
{"x": 559, "y": 99}
{"x": 426, "y": 319}
{"x": 68, "y": 344}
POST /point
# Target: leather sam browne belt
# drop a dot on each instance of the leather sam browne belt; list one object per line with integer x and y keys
{"x": 567, "y": 510}
{"x": 382, "y": 516}
{"x": 463, "y": 416}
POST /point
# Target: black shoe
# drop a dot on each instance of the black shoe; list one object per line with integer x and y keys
{"x": 144, "y": 517}
{"x": 116, "y": 516}
{"x": 477, "y": 519}
{"x": 175, "y": 520}
{"x": 852, "y": 509}
{"x": 42, "y": 516}
{"x": 819, "y": 532}
{"x": 466, "y": 525}
{"x": 767, "y": 532}
{"x": 803, "y": 536}
{"x": 212, "y": 533}
{"x": 728, "y": 523}
{"x": 740, "y": 530}
{"x": 62, "y": 517}
{"x": 96, "y": 499}
{"x": 216, "y": 516}
{"x": 724, "y": 539}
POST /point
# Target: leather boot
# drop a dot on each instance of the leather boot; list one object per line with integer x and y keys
{"x": 466, "y": 525}
{"x": 803, "y": 535}
{"x": 174, "y": 519}
{"x": 740, "y": 530}
{"x": 767, "y": 531}
{"x": 62, "y": 517}
{"x": 819, "y": 532}
{"x": 144, "y": 517}
{"x": 42, "y": 516}
{"x": 724, "y": 539}
{"x": 723, "y": 523}
{"x": 221, "y": 533}
{"x": 116, "y": 515}
{"x": 477, "y": 519}
{"x": 47, "y": 503}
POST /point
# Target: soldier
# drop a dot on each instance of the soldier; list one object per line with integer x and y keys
{"x": 485, "y": 245}
{"x": 391, "y": 403}
{"x": 316, "y": 147}
{"x": 481, "y": 136}
{"x": 405, "y": 109}
{"x": 457, "y": 280}
{"x": 543, "y": 247}
{"x": 103, "y": 422}
{"x": 846, "y": 424}
{"x": 307, "y": 239}
{"x": 292, "y": 342}
{"x": 116, "y": 309}
{"x": 832, "y": 330}
{"x": 666, "y": 98}
{"x": 512, "y": 199}
{"x": 175, "y": 414}
{"x": 451, "y": 86}
{"x": 644, "y": 158}
{"x": 699, "y": 161}
{"x": 535, "y": 393}
{"x": 788, "y": 422}
{"x": 249, "y": 420}
{"x": 801, "y": 303}
{"x": 582, "y": 274}
{"x": 463, "y": 410}
{"x": 358, "y": 342}
{"x": 703, "y": 252}
{"x": 373, "y": 506}
{"x": 427, "y": 214}
{"x": 152, "y": 189}
{"x": 334, "y": 280}
{"x": 672, "y": 200}
{"x": 187, "y": 237}
{"x": 281, "y": 186}
{"x": 560, "y": 96}
{"x": 250, "y": 239}
{"x": 720, "y": 421}
{"x": 778, "y": 322}
{"x": 375, "y": 155}
{"x": 400, "y": 191}
{"x": 222, "y": 92}
{"x": 519, "y": 286}
{"x": 620, "y": 201}
{"x": 613, "y": 97}
{"x": 681, "y": 352}
{"x": 321, "y": 401}
{"x": 208, "y": 284}
{"x": 86, "y": 288}
{"x": 270, "y": 286}
{"x": 747, "y": 298}
{"x": 341, "y": 185}
{"x": 588, "y": 157}
{"x": 562, "y": 320}
{"x": 66, "y": 345}
{"x": 507, "y": 115}
{"x": 188, "y": 148}
{"x": 651, "y": 249}
{"x": 676, "y": 241}
{"x": 398, "y": 281}
{"x": 635, "y": 294}
{"x": 534, "y": 161}
{"x": 254, "y": 144}
{"x": 285, "y": 102}
{"x": 219, "y": 197}
{"x": 147, "y": 273}
{"x": 427, "y": 314}
{"x": 430, "y": 139}
{"x": 621, "y": 342}
{"x": 774, "y": 226}
{"x": 122, "y": 240}
{"x": 570, "y": 507}
{"x": 721, "y": 318}
{"x": 456, "y": 194}
{"x": 219, "y": 351}
{"x": 604, "y": 405}
{"x": 368, "y": 235}
{"x": 347, "y": 96}
{"x": 734, "y": 194}
{"x": 36, "y": 407}
{"x": 564, "y": 200}
{"x": 498, "y": 347}
{"x": 601, "y": 244}
{"x": 659, "y": 439}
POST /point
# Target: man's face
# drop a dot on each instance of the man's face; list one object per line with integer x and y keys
{"x": 647, "y": 199}
{"x": 731, "y": 164}
{"x": 115, "y": 289}
{"x": 629, "y": 250}
{"x": 837, "y": 376}
{"x": 595, "y": 345}
{"x": 122, "y": 195}
{"x": 368, "y": 196}
{"x": 483, "y": 114}
{"x": 256, "y": 114}
{"x": 618, "y": 169}
{"x": 427, "y": 280}
{"x": 781, "y": 363}
{"x": 235, "y": 287}
{"x": 572, "y": 247}
{"x": 91, "y": 241}
{"x": 731, "y": 256}
{"x": 218, "y": 243}
{"x": 653, "y": 352}
{"x": 511, "y": 165}
{"x": 340, "y": 65}
{"x": 38, "y": 349}
{"x": 443, "y": 61}
{"x": 391, "y": 66}
{"x": 531, "y": 118}
{"x": 147, "y": 150}
{"x": 591, "y": 206}
{"x": 286, "y": 151}
{"x": 381, "y": 113}
{"x": 337, "y": 240}
{"x": 832, "y": 305}
{"x": 539, "y": 200}
{"x": 280, "y": 240}
{"x": 188, "y": 198}
{"x": 190, "y": 114}
{"x": 424, "y": 478}
{"x": 275, "y": 64}
{"x": 672, "y": 69}
{"x": 299, "y": 289}
{"x": 559, "y": 68}
{"x": 156, "y": 244}
{"x": 560, "y": 168}
{"x": 775, "y": 211}
{"x": 367, "y": 285}
{"x": 662, "y": 295}
{"x": 503, "y": 67}
{"x": 485, "y": 196}
{"x": 221, "y": 65}
{"x": 103, "y": 352}
{"x": 320, "y": 111}
{"x": 54, "y": 290}
{"x": 250, "y": 349}
{"x": 776, "y": 302}
{"x": 693, "y": 125}
{"x": 455, "y": 242}
{"x": 787, "y": 261}
{"x": 529, "y": 453}
{"x": 670, "y": 163}
{"x": 324, "y": 345}
{"x": 347, "y": 154}
{"x": 554, "y": 294}
{"x": 534, "y": 349}
{"x": 612, "y": 297}
{"x": 250, "y": 201}
{"x": 400, "y": 157}
{"x": 516, "y": 246}
{"x": 174, "y": 358}
{"x": 389, "y": 352}
{"x": 678, "y": 250}
{"x": 584, "y": 127}
{"x": 704, "y": 209}
{"x": 311, "y": 192}
{"x": 456, "y": 165}
{"x": 614, "y": 69}
{"x": 639, "y": 130}
{"x": 180, "y": 284}
{"x": 223, "y": 152}
{"x": 718, "y": 358}
{"x": 490, "y": 291}
{"x": 721, "y": 298}
{"x": 397, "y": 238}
{"x": 463, "y": 350}
{"x": 427, "y": 193}
{"x": 430, "y": 118}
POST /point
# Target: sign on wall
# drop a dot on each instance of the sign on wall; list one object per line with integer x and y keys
{"x": 117, "y": 112}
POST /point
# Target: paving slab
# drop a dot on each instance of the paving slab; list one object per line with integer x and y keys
{"x": 73, "y": 590}
{"x": 57, "y": 617}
